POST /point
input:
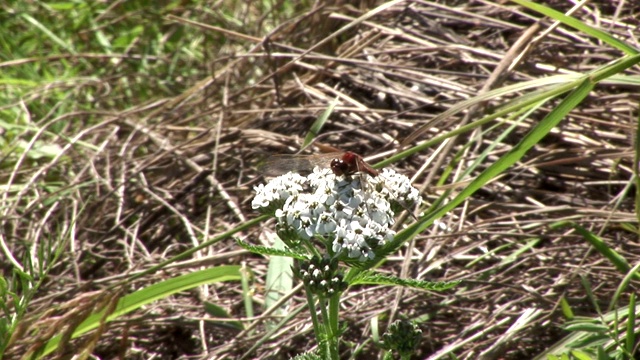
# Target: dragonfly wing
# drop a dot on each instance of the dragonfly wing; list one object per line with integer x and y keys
{"x": 280, "y": 164}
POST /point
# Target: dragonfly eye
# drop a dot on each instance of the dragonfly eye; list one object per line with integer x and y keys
{"x": 339, "y": 167}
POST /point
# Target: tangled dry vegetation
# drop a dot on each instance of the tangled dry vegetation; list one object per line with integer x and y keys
{"x": 162, "y": 176}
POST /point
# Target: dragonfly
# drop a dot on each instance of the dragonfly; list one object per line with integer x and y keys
{"x": 341, "y": 163}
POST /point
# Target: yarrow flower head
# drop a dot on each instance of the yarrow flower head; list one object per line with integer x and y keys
{"x": 352, "y": 219}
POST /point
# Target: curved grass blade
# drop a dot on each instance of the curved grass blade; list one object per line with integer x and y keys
{"x": 317, "y": 125}
{"x": 147, "y": 295}
{"x": 579, "y": 25}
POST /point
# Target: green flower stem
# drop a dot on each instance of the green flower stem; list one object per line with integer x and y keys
{"x": 330, "y": 320}
{"x": 327, "y": 341}
{"x": 314, "y": 316}
{"x": 333, "y": 324}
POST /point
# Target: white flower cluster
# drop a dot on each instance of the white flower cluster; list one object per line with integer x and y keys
{"x": 354, "y": 221}
{"x": 273, "y": 195}
{"x": 397, "y": 188}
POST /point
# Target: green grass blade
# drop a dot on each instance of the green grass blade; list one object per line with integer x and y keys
{"x": 624, "y": 286}
{"x": 186, "y": 254}
{"x": 48, "y": 33}
{"x": 247, "y": 294}
{"x": 616, "y": 259}
{"x": 219, "y": 312}
{"x": 636, "y": 170}
{"x": 630, "y": 339}
{"x": 317, "y": 125}
{"x": 578, "y": 25}
{"x": 548, "y": 87}
{"x": 149, "y": 294}
{"x": 532, "y": 138}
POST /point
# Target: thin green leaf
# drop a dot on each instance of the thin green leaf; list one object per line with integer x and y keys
{"x": 149, "y": 294}
{"x": 373, "y": 278}
{"x": 566, "y": 309}
{"x": 547, "y": 88}
{"x": 587, "y": 327}
{"x": 602, "y": 354}
{"x": 578, "y": 25}
{"x": 532, "y": 138}
{"x": 219, "y": 312}
{"x": 630, "y": 339}
{"x": 270, "y": 251}
{"x": 624, "y": 285}
{"x": 247, "y": 294}
{"x": 587, "y": 287}
{"x": 317, "y": 125}
{"x": 48, "y": 33}
{"x": 581, "y": 355}
{"x": 507, "y": 160}
{"x": 616, "y": 259}
{"x": 592, "y": 341}
{"x": 636, "y": 171}
{"x": 187, "y": 253}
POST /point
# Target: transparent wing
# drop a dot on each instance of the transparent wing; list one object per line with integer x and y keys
{"x": 280, "y": 164}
